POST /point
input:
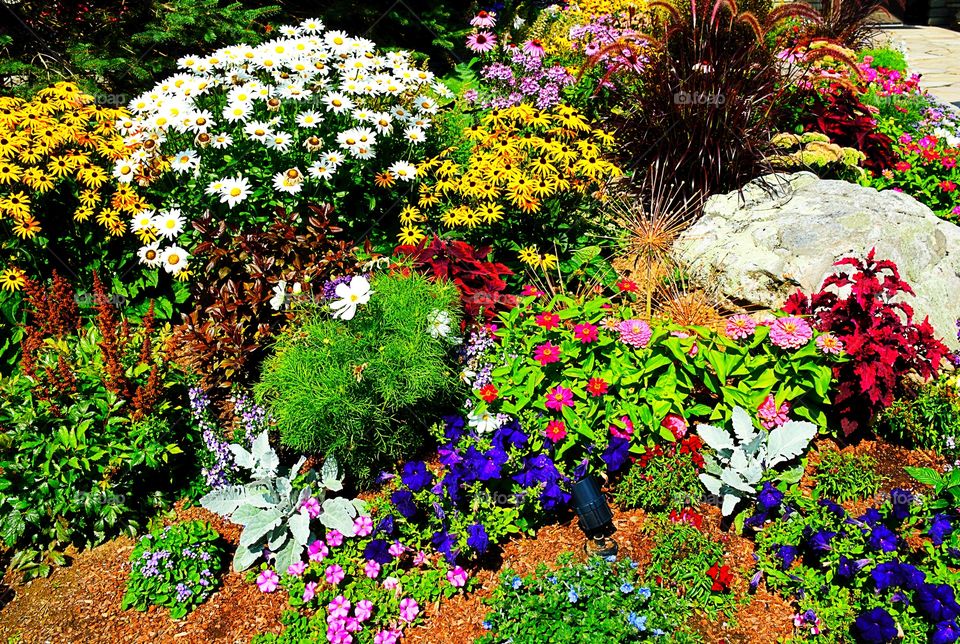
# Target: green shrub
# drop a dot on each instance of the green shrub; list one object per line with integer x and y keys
{"x": 843, "y": 476}
{"x": 929, "y": 420}
{"x": 177, "y": 567}
{"x": 357, "y": 388}
{"x": 886, "y": 58}
{"x": 592, "y": 603}
{"x": 666, "y": 480}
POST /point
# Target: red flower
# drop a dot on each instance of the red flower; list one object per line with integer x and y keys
{"x": 627, "y": 286}
{"x": 548, "y": 320}
{"x": 546, "y": 353}
{"x": 689, "y": 516}
{"x": 556, "y": 430}
{"x": 902, "y": 166}
{"x": 529, "y": 289}
{"x": 489, "y": 393}
{"x": 721, "y": 577}
{"x": 597, "y": 387}
{"x": 948, "y": 186}
{"x": 949, "y": 163}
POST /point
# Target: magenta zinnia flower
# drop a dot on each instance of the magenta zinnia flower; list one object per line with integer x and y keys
{"x": 636, "y": 333}
{"x": 481, "y": 42}
{"x": 740, "y": 327}
{"x": 556, "y": 430}
{"x": 559, "y": 397}
{"x": 586, "y": 333}
{"x": 790, "y": 332}
{"x": 546, "y": 353}
{"x": 770, "y": 415}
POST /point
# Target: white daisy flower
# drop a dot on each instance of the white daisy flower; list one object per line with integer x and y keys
{"x": 124, "y": 170}
{"x": 337, "y": 102}
{"x": 237, "y": 112}
{"x": 279, "y": 141}
{"x": 143, "y": 220}
{"x": 150, "y": 254}
{"x": 290, "y": 181}
{"x": 214, "y": 187}
{"x": 312, "y": 26}
{"x": 403, "y": 171}
{"x": 309, "y": 118}
{"x": 174, "y": 259}
{"x": 185, "y": 161}
{"x": 414, "y": 134}
{"x": 221, "y": 141}
{"x": 320, "y": 170}
{"x": 258, "y": 131}
{"x": 169, "y": 223}
{"x": 235, "y": 190}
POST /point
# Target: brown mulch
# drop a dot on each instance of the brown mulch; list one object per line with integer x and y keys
{"x": 81, "y": 603}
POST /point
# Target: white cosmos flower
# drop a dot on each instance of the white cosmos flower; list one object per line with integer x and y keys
{"x": 150, "y": 255}
{"x": 174, "y": 259}
{"x": 351, "y": 296}
{"x": 235, "y": 190}
{"x": 483, "y": 421}
{"x": 169, "y": 223}
{"x": 281, "y": 297}
{"x": 438, "y": 324}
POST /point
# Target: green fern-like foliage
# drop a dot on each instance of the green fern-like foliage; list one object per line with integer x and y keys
{"x": 362, "y": 389}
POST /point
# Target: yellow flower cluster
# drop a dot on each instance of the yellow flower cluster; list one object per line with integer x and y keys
{"x": 518, "y": 159}
{"x": 61, "y": 136}
{"x": 611, "y": 7}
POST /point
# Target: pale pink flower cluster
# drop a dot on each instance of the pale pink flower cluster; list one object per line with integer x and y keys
{"x": 740, "y": 327}
{"x": 829, "y": 344}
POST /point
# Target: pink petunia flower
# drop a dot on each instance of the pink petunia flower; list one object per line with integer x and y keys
{"x": 309, "y": 591}
{"x": 363, "y": 610}
{"x": 396, "y": 549}
{"x": 391, "y": 583}
{"x": 268, "y": 581}
{"x": 559, "y": 397}
{"x": 312, "y": 505}
{"x": 481, "y": 42}
{"x": 636, "y": 333}
{"x": 740, "y": 327}
{"x": 790, "y": 332}
{"x": 457, "y": 577}
{"x": 677, "y": 425}
{"x": 363, "y": 526}
{"x": 420, "y": 559}
{"x": 409, "y": 609}
{"x": 296, "y": 569}
{"x": 339, "y": 607}
{"x": 371, "y": 569}
{"x": 547, "y": 353}
{"x": 386, "y": 637}
{"x": 623, "y": 433}
{"x": 351, "y": 625}
{"x": 317, "y": 551}
{"x": 334, "y": 574}
{"x": 334, "y": 538}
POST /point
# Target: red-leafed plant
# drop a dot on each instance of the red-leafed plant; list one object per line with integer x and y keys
{"x": 479, "y": 280}
{"x": 880, "y": 337}
{"x": 849, "y": 123}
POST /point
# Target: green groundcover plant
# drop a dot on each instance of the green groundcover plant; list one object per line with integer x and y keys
{"x": 356, "y": 386}
{"x": 592, "y": 603}
{"x": 845, "y": 476}
{"x": 177, "y": 567}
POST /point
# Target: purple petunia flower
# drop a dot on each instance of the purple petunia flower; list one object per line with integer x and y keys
{"x": 874, "y": 627}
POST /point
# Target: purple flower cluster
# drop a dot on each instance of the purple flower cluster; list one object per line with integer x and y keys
{"x": 222, "y": 463}
{"x": 253, "y": 418}
{"x": 522, "y": 75}
{"x": 150, "y": 561}
{"x": 597, "y": 37}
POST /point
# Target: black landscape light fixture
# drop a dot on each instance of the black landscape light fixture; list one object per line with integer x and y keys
{"x": 596, "y": 518}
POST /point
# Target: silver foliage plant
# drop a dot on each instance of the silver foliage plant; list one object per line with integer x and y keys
{"x": 269, "y": 506}
{"x": 741, "y": 459}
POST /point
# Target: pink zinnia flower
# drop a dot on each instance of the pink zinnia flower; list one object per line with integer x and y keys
{"x": 268, "y": 581}
{"x": 906, "y": 138}
{"x": 528, "y": 289}
{"x": 947, "y": 186}
{"x": 740, "y": 327}
{"x": 636, "y": 333}
{"x": 902, "y": 166}
{"x": 484, "y": 19}
{"x": 790, "y": 332}
{"x": 481, "y": 42}
{"x": 586, "y": 333}
{"x": 559, "y": 397}
{"x": 362, "y": 526}
{"x": 556, "y": 430}
{"x": 547, "y": 353}
{"x": 949, "y": 163}
{"x": 334, "y": 574}
{"x": 371, "y": 569}
{"x": 296, "y": 569}
{"x": 676, "y": 424}
{"x": 457, "y": 577}
{"x": 547, "y": 320}
{"x": 409, "y": 609}
{"x": 829, "y": 344}
{"x": 317, "y": 551}
{"x": 397, "y": 549}
{"x": 770, "y": 415}
{"x": 309, "y": 591}
{"x": 623, "y": 433}
{"x": 363, "y": 610}
{"x": 339, "y": 607}
{"x": 334, "y": 538}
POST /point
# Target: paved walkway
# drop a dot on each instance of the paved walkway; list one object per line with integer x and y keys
{"x": 933, "y": 52}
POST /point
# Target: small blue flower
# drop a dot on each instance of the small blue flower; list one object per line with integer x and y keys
{"x": 487, "y": 625}
{"x": 611, "y": 558}
{"x": 626, "y": 588}
{"x": 552, "y": 579}
{"x": 639, "y": 622}
{"x": 572, "y": 596}
{"x": 634, "y": 565}
{"x": 644, "y": 592}
{"x": 516, "y": 582}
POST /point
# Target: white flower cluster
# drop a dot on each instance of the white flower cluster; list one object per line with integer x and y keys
{"x": 296, "y": 109}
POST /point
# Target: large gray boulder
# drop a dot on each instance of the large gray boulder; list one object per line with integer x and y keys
{"x": 784, "y": 232}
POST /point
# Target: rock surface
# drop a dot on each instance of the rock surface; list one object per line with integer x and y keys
{"x": 784, "y": 232}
